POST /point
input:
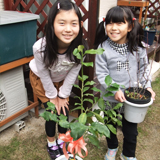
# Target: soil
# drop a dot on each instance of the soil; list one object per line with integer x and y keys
{"x": 32, "y": 124}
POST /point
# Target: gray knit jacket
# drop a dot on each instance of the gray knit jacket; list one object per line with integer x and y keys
{"x": 124, "y": 68}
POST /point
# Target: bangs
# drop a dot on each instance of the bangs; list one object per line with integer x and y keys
{"x": 116, "y": 15}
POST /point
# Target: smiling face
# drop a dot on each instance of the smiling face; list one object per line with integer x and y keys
{"x": 117, "y": 32}
{"x": 66, "y": 27}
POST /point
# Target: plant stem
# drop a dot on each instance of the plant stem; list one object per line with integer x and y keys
{"x": 82, "y": 84}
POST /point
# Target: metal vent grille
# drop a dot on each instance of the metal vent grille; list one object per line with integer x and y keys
{"x": 2, "y": 106}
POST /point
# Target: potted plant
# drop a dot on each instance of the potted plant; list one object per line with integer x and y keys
{"x": 137, "y": 102}
{"x": 138, "y": 99}
{"x": 84, "y": 124}
{"x": 150, "y": 31}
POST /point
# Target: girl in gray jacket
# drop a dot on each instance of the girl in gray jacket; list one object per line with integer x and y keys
{"x": 125, "y": 60}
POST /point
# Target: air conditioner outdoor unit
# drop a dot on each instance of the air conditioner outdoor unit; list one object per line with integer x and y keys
{"x": 13, "y": 96}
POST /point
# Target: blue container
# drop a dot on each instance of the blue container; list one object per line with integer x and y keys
{"x": 17, "y": 35}
{"x": 149, "y": 36}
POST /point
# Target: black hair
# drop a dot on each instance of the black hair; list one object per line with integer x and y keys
{"x": 51, "y": 48}
{"x": 121, "y": 14}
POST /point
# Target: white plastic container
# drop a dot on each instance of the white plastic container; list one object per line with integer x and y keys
{"x": 135, "y": 113}
{"x": 70, "y": 155}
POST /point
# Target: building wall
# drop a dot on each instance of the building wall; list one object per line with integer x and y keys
{"x": 105, "y": 5}
{"x": 1, "y": 5}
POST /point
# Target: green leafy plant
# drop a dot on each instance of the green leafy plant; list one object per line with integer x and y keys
{"x": 84, "y": 123}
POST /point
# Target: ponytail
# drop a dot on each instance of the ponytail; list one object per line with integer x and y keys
{"x": 100, "y": 35}
{"x": 135, "y": 37}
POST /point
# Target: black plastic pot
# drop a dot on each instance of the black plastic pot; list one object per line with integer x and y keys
{"x": 139, "y": 101}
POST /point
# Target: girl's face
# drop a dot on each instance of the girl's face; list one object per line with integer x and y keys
{"x": 66, "y": 27}
{"x": 117, "y": 32}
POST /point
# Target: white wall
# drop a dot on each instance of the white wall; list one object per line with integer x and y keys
{"x": 1, "y": 5}
{"x": 105, "y": 5}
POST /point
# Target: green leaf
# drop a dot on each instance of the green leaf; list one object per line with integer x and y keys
{"x": 89, "y": 114}
{"x": 89, "y": 94}
{"x": 85, "y": 89}
{"x": 105, "y": 118}
{"x": 51, "y": 106}
{"x": 97, "y": 111}
{"x": 77, "y": 108}
{"x": 96, "y": 89}
{"x": 91, "y": 51}
{"x": 119, "y": 123}
{"x": 75, "y": 51}
{"x": 122, "y": 86}
{"x": 99, "y": 118}
{"x": 126, "y": 91}
{"x": 62, "y": 117}
{"x": 92, "y": 131}
{"x": 82, "y": 118}
{"x": 88, "y": 64}
{"x": 114, "y": 113}
{"x": 119, "y": 105}
{"x": 76, "y": 86}
{"x": 120, "y": 116}
{"x": 79, "y": 77}
{"x": 101, "y": 128}
{"x": 115, "y": 85}
{"x": 112, "y": 128}
{"x": 89, "y": 120}
{"x": 45, "y": 115}
{"x": 94, "y": 140}
{"x": 77, "y": 130}
{"x": 80, "y": 48}
{"x": 88, "y": 100}
{"x": 111, "y": 89}
{"x": 53, "y": 117}
{"x": 84, "y": 77}
{"x": 101, "y": 104}
{"x": 100, "y": 51}
{"x": 108, "y": 94}
{"x": 96, "y": 99}
{"x": 108, "y": 103}
{"x": 108, "y": 80}
{"x": 77, "y": 97}
{"x": 89, "y": 83}
{"x": 77, "y": 104}
{"x": 64, "y": 123}
{"x": 109, "y": 113}
{"x": 114, "y": 119}
{"x": 95, "y": 51}
{"x": 77, "y": 54}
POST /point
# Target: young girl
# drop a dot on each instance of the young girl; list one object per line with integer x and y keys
{"x": 121, "y": 36}
{"x": 54, "y": 68}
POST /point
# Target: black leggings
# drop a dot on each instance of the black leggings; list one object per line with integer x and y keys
{"x": 129, "y": 141}
{"x": 50, "y": 126}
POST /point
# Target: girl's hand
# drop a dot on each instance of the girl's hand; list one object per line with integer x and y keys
{"x": 152, "y": 92}
{"x": 62, "y": 103}
{"x": 119, "y": 96}
{"x": 55, "y": 102}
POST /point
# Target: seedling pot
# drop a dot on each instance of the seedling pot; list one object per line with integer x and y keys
{"x": 145, "y": 92}
{"x": 62, "y": 157}
{"x": 136, "y": 109}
